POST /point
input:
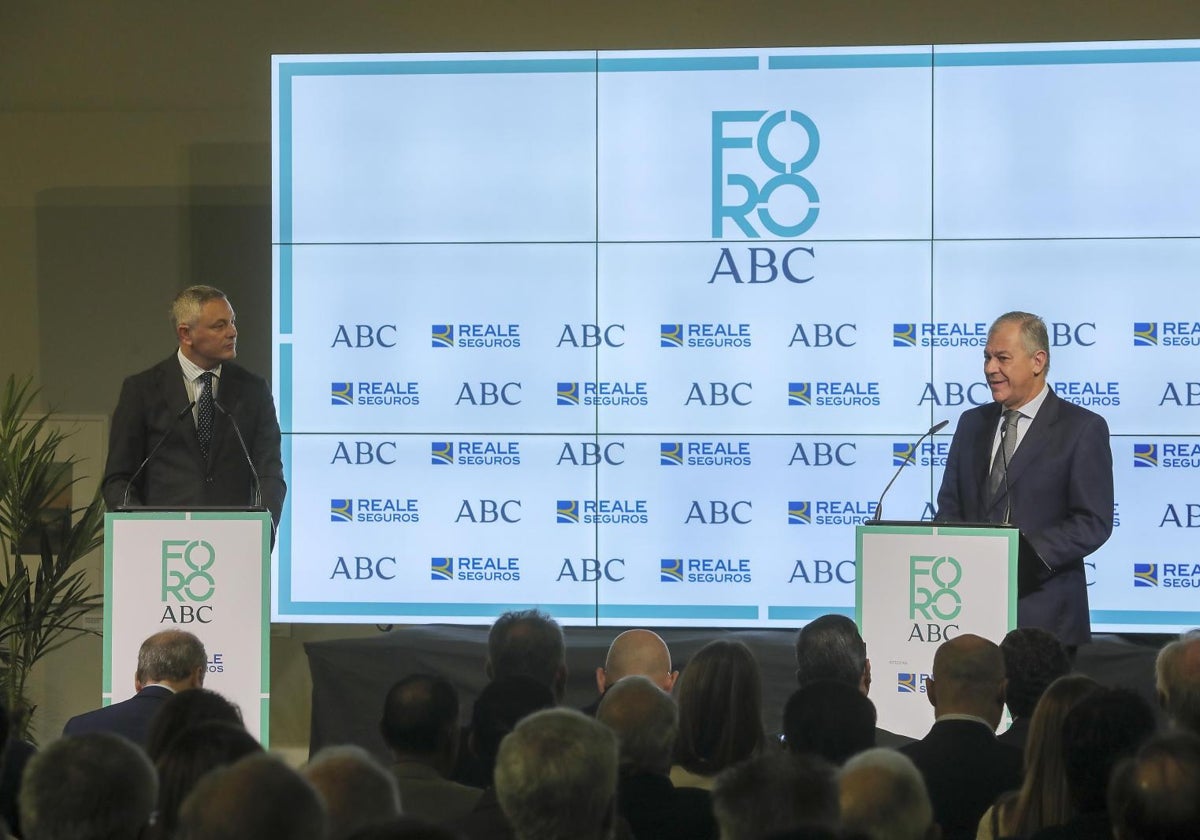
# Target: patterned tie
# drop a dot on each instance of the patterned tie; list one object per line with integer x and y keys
{"x": 1004, "y": 453}
{"x": 204, "y": 412}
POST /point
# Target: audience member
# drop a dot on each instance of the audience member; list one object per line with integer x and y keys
{"x": 1156, "y": 795}
{"x": 635, "y": 652}
{"x": 1101, "y": 729}
{"x": 1177, "y": 681}
{"x": 529, "y": 643}
{"x": 187, "y": 708}
{"x": 407, "y": 828}
{"x": 168, "y": 662}
{"x": 256, "y": 798}
{"x": 1033, "y": 658}
{"x": 964, "y": 766}
{"x": 882, "y": 796}
{"x": 10, "y": 778}
{"x": 192, "y": 753}
{"x": 1043, "y": 799}
{"x": 356, "y": 790}
{"x": 830, "y": 719}
{"x": 646, "y": 722}
{"x": 773, "y": 793}
{"x": 97, "y": 786}
{"x": 420, "y": 727}
{"x": 831, "y": 648}
{"x": 720, "y": 713}
{"x": 556, "y": 777}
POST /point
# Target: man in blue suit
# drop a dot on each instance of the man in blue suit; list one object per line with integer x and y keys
{"x": 168, "y": 662}
{"x": 1059, "y": 484}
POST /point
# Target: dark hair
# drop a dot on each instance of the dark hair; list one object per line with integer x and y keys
{"x": 830, "y": 648}
{"x": 527, "y": 642}
{"x": 501, "y": 705}
{"x": 830, "y": 719}
{"x": 186, "y": 709}
{"x": 419, "y": 713}
{"x": 1101, "y": 729}
{"x": 1033, "y": 658}
{"x": 192, "y": 753}
{"x": 773, "y": 793}
{"x": 720, "y": 708}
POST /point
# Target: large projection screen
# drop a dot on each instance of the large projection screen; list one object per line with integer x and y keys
{"x": 639, "y": 337}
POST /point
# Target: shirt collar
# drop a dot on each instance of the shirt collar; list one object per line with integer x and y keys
{"x": 191, "y": 370}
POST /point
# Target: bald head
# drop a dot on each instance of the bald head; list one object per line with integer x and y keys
{"x": 968, "y": 678}
{"x": 646, "y": 722}
{"x": 882, "y": 794}
{"x": 637, "y": 653}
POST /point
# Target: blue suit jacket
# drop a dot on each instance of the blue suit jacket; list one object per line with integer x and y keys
{"x": 148, "y": 410}
{"x": 130, "y": 718}
{"x": 1061, "y": 483}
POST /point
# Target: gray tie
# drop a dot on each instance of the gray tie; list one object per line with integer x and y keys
{"x": 204, "y": 412}
{"x": 1004, "y": 453}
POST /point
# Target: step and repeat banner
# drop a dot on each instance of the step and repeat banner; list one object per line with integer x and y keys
{"x": 640, "y": 337}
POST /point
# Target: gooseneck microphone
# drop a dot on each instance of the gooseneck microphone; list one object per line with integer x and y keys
{"x": 183, "y": 412}
{"x": 933, "y": 430}
{"x": 257, "y": 486}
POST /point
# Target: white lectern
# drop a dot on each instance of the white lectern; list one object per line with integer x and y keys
{"x": 204, "y": 571}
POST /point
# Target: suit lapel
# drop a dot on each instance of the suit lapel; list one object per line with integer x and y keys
{"x": 1035, "y": 438}
{"x": 983, "y": 452}
{"x": 228, "y": 394}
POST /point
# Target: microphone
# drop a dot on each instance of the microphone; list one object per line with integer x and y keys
{"x": 933, "y": 430}
{"x": 257, "y": 486}
{"x": 154, "y": 450}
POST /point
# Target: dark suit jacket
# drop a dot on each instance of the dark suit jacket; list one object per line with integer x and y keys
{"x": 1061, "y": 483}
{"x": 657, "y": 810}
{"x": 130, "y": 718}
{"x": 148, "y": 411}
{"x": 965, "y": 769}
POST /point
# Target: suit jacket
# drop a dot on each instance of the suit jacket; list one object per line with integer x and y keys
{"x": 149, "y": 411}
{"x": 965, "y": 769}
{"x": 657, "y": 810}
{"x": 425, "y": 794}
{"x": 130, "y": 718}
{"x": 1061, "y": 485}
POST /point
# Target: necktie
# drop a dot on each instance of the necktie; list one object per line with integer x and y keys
{"x": 204, "y": 412}
{"x": 1004, "y": 453}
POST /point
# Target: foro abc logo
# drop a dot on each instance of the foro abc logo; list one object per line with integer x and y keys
{"x": 186, "y": 566}
{"x": 931, "y": 587}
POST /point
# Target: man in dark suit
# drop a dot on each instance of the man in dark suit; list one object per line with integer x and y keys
{"x": 1059, "y": 486}
{"x": 964, "y": 766}
{"x": 168, "y": 662}
{"x": 200, "y": 461}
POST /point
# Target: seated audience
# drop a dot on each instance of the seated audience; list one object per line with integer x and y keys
{"x": 635, "y": 652}
{"x": 882, "y": 796}
{"x": 829, "y": 719}
{"x": 256, "y": 798}
{"x": 187, "y": 708}
{"x": 556, "y": 777}
{"x": 1156, "y": 794}
{"x": 1043, "y": 799}
{"x": 774, "y": 793}
{"x": 831, "y": 648}
{"x": 1033, "y": 658}
{"x": 964, "y": 766}
{"x": 1101, "y": 729}
{"x": 646, "y": 722}
{"x": 98, "y": 785}
{"x": 407, "y": 828}
{"x": 168, "y": 662}
{"x": 356, "y": 790}
{"x": 720, "y": 713}
{"x": 1177, "y": 680}
{"x": 420, "y": 727}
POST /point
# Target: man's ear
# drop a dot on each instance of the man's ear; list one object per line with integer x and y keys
{"x": 601, "y": 680}
{"x": 931, "y": 691}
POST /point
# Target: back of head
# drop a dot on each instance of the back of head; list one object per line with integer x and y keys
{"x": 185, "y": 709}
{"x": 90, "y": 787}
{"x": 174, "y": 657}
{"x": 407, "y": 828}
{"x": 720, "y": 708}
{"x": 356, "y": 791}
{"x": 639, "y": 653}
{"x": 530, "y": 643}
{"x": 192, "y": 753}
{"x": 1033, "y": 658}
{"x": 830, "y": 648}
{"x": 501, "y": 705}
{"x": 645, "y": 720}
{"x": 773, "y": 793}
{"x": 1177, "y": 673}
{"x": 1101, "y": 729}
{"x": 556, "y": 777}
{"x": 420, "y": 717}
{"x": 255, "y": 798}
{"x": 883, "y": 797}
{"x": 829, "y": 718}
{"x": 968, "y": 676}
{"x": 1156, "y": 794}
